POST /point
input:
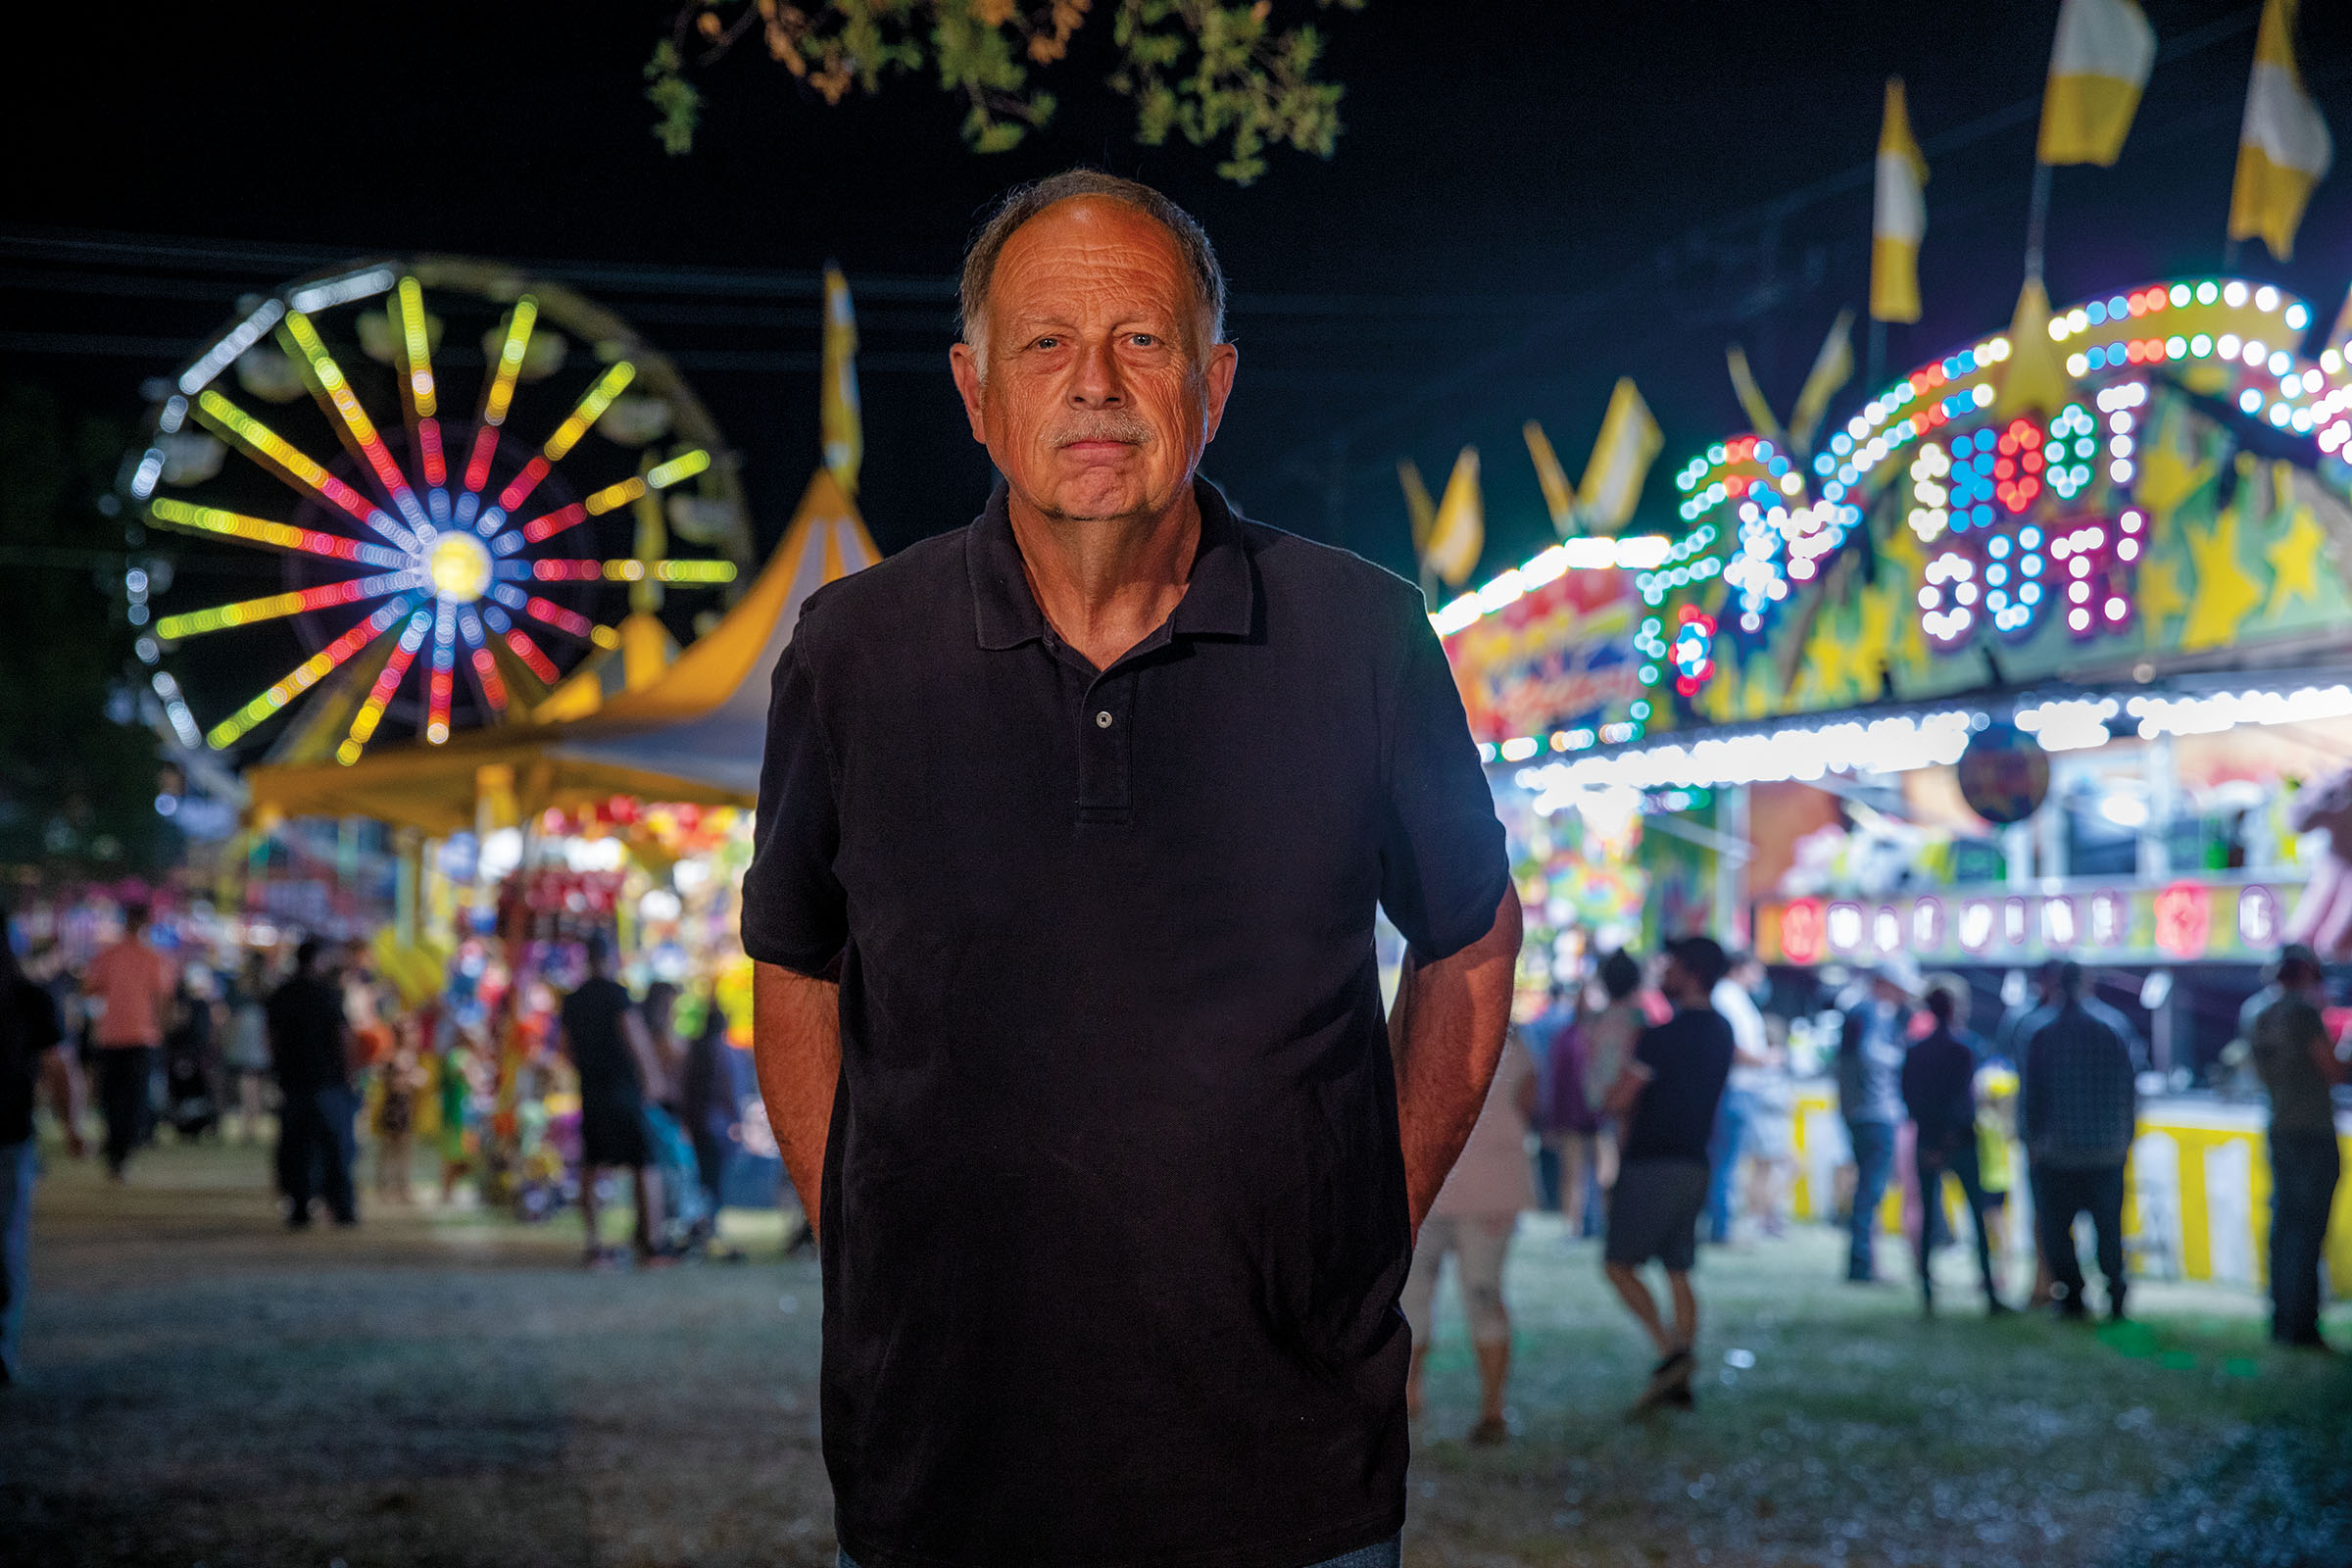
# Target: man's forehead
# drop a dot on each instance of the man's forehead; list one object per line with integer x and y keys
{"x": 1084, "y": 246}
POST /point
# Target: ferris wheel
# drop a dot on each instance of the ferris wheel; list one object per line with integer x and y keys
{"x": 438, "y": 568}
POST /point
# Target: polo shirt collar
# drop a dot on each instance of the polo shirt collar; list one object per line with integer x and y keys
{"x": 1220, "y": 600}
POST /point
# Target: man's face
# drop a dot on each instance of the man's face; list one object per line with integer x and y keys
{"x": 1097, "y": 396}
{"x": 1674, "y": 980}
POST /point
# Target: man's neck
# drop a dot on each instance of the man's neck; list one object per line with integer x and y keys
{"x": 1104, "y": 586}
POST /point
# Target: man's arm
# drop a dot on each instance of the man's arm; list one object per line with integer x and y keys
{"x": 796, "y": 1047}
{"x": 1446, "y": 1037}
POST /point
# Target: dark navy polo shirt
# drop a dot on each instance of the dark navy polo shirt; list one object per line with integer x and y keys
{"x": 1114, "y": 1210}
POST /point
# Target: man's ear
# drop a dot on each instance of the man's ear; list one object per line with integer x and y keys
{"x": 965, "y": 364}
{"x": 1223, "y": 361}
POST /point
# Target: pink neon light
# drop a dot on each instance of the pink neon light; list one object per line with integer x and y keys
{"x": 477, "y": 466}
{"x": 555, "y": 523}
{"x": 529, "y": 652}
{"x": 524, "y": 483}
{"x": 428, "y": 437}
{"x": 557, "y": 617}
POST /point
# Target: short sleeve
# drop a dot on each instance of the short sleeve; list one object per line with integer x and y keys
{"x": 1443, "y": 867}
{"x": 795, "y": 914}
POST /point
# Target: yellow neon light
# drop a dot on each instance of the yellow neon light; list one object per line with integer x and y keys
{"x": 420, "y": 347}
{"x": 593, "y": 404}
{"x": 261, "y": 530}
{"x": 330, "y": 377}
{"x": 683, "y": 466}
{"x": 613, "y": 495}
{"x": 694, "y": 570}
{"x": 510, "y": 361}
{"x": 262, "y": 439}
{"x": 301, "y": 677}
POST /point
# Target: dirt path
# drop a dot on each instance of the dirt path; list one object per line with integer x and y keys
{"x": 204, "y": 1388}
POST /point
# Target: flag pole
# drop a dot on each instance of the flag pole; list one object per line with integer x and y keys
{"x": 2038, "y": 220}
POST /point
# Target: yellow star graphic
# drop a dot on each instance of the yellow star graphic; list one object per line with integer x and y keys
{"x": 2224, "y": 594}
{"x": 1873, "y": 640}
{"x": 2295, "y": 558}
{"x": 2165, "y": 478}
{"x": 2160, "y": 597}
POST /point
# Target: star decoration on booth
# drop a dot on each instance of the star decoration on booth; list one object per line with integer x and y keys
{"x": 2224, "y": 593}
{"x": 2295, "y": 558}
{"x": 2168, "y": 476}
{"x": 1868, "y": 654}
{"x": 2160, "y": 597}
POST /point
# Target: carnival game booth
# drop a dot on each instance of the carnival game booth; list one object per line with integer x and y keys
{"x": 2047, "y": 648}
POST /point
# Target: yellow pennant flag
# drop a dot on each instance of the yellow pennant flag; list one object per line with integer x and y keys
{"x": 2101, "y": 61}
{"x": 1458, "y": 535}
{"x": 839, "y": 419}
{"x": 1899, "y": 220}
{"x": 1622, "y": 454}
{"x": 2034, "y": 378}
{"x": 1750, "y": 395}
{"x": 1419, "y": 510}
{"x": 2283, "y": 149}
{"x": 1833, "y": 368}
{"x": 1558, "y": 499}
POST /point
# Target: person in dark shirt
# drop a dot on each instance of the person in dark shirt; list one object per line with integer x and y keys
{"x": 310, "y": 1052}
{"x": 1938, "y": 1087}
{"x": 613, "y": 1051}
{"x": 2078, "y": 1108}
{"x": 1068, "y": 1019}
{"x": 30, "y": 1034}
{"x": 2299, "y": 1066}
{"x": 1666, "y": 1099}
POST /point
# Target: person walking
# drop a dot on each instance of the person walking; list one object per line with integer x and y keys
{"x": 2078, "y": 1108}
{"x": 311, "y": 1051}
{"x": 31, "y": 1033}
{"x": 1665, "y": 1097}
{"x": 610, "y": 1048}
{"x": 1473, "y": 1218}
{"x": 707, "y": 1107}
{"x": 1072, "y": 829}
{"x": 2298, "y": 1064}
{"x": 1870, "y": 1065}
{"x": 1605, "y": 1037}
{"x": 1939, "y": 1086}
{"x": 129, "y": 986}
{"x": 1751, "y": 1059}
{"x": 245, "y": 1053}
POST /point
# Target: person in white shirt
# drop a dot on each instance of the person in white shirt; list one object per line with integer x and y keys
{"x": 1752, "y": 1062}
{"x": 1473, "y": 1218}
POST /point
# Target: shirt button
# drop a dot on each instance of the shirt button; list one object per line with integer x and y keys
{"x": 1103, "y": 718}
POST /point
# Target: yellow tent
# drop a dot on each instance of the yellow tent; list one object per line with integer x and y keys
{"x": 695, "y": 734}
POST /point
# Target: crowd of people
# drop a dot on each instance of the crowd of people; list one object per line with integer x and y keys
{"x": 1650, "y": 1094}
{"x": 311, "y": 1052}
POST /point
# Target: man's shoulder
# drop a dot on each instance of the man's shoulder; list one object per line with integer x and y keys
{"x": 919, "y": 584}
{"x": 1292, "y": 566}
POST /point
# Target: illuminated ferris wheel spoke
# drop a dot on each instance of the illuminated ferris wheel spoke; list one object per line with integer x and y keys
{"x": 611, "y": 498}
{"x": 487, "y": 678}
{"x": 420, "y": 400}
{"x": 335, "y": 389}
{"x": 591, "y": 407}
{"x": 440, "y": 683}
{"x": 498, "y": 396}
{"x": 308, "y": 673}
{"x": 278, "y": 535}
{"x": 534, "y": 658}
{"x": 275, "y": 453}
{"x": 387, "y": 682}
{"x": 245, "y": 611}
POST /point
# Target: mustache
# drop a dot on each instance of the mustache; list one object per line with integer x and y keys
{"x": 1108, "y": 426}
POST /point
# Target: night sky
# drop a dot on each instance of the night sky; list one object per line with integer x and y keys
{"x": 1528, "y": 200}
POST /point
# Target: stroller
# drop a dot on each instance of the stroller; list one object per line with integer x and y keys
{"x": 191, "y": 1098}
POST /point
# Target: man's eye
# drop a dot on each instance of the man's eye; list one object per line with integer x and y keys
{"x": 1047, "y": 343}
{"x": 1144, "y": 340}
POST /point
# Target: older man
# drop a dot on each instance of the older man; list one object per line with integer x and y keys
{"x": 1070, "y": 835}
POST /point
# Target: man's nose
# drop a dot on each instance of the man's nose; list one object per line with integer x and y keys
{"x": 1094, "y": 381}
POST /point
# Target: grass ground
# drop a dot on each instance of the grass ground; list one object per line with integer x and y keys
{"x": 439, "y": 1387}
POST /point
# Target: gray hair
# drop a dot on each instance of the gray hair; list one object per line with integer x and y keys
{"x": 1025, "y": 202}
